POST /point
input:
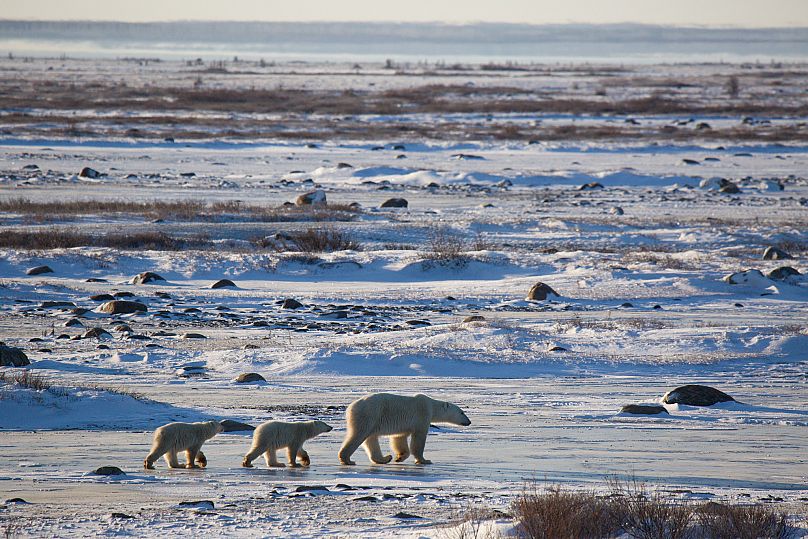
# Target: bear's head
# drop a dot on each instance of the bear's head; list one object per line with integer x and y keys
{"x": 450, "y": 413}
{"x": 321, "y": 427}
{"x": 215, "y": 427}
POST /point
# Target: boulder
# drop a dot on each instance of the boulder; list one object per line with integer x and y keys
{"x": 247, "y": 377}
{"x": 235, "y": 426}
{"x": 590, "y": 185}
{"x": 541, "y": 291}
{"x": 120, "y": 306}
{"x": 102, "y": 297}
{"x": 193, "y": 336}
{"x": 616, "y": 210}
{"x": 223, "y": 283}
{"x": 312, "y": 198}
{"x": 12, "y": 357}
{"x": 108, "y": 470}
{"x": 643, "y": 409}
{"x": 749, "y": 277}
{"x": 783, "y": 273}
{"x": 474, "y": 318}
{"x": 773, "y": 253}
{"x": 290, "y": 303}
{"x": 696, "y": 395}
{"x": 729, "y": 188}
{"x": 96, "y": 333}
{"x": 395, "y": 203}
{"x": 88, "y": 172}
{"x": 123, "y": 295}
{"x": 56, "y": 304}
{"x": 38, "y": 270}
{"x": 146, "y": 277}
{"x": 73, "y": 322}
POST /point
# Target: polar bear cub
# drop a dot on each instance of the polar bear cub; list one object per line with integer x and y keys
{"x": 175, "y": 437}
{"x": 273, "y": 435}
{"x": 399, "y": 417}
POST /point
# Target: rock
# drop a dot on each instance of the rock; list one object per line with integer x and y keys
{"x": 96, "y": 333}
{"x": 690, "y": 162}
{"x": 38, "y": 270}
{"x": 79, "y": 311}
{"x": 752, "y": 277}
{"x": 247, "y": 377}
{"x": 120, "y": 515}
{"x": 395, "y": 203}
{"x": 73, "y": 322}
{"x": 590, "y": 185}
{"x": 290, "y": 303}
{"x": 146, "y": 277}
{"x": 108, "y": 470}
{"x": 474, "y": 318}
{"x": 102, "y": 297}
{"x": 162, "y": 295}
{"x": 541, "y": 291}
{"x": 556, "y": 348}
{"x": 95, "y": 280}
{"x": 399, "y": 148}
{"x": 402, "y": 514}
{"x": 17, "y": 500}
{"x": 56, "y": 304}
{"x": 696, "y": 395}
{"x": 193, "y": 336}
{"x": 199, "y": 504}
{"x": 466, "y": 157}
{"x": 88, "y": 172}
{"x": 643, "y": 409}
{"x": 123, "y": 295}
{"x": 312, "y": 198}
{"x": 616, "y": 210}
{"x": 235, "y": 426}
{"x": 773, "y": 253}
{"x": 312, "y": 488}
{"x": 121, "y": 306}
{"x": 222, "y": 283}
{"x": 770, "y": 185}
{"x": 12, "y": 357}
{"x": 341, "y": 166}
{"x": 729, "y": 188}
{"x": 783, "y": 273}
{"x": 719, "y": 184}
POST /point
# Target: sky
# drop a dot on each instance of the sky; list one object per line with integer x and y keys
{"x": 744, "y": 13}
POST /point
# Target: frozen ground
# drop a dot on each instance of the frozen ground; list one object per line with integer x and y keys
{"x": 642, "y": 309}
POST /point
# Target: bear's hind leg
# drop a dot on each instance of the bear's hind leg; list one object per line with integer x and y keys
{"x": 375, "y": 452}
{"x": 349, "y": 447}
{"x": 304, "y": 457}
{"x": 272, "y": 460}
{"x": 417, "y": 444}
{"x": 156, "y": 453}
{"x": 399, "y": 446}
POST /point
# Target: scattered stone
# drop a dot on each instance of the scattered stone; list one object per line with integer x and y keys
{"x": 312, "y": 488}
{"x": 590, "y": 185}
{"x": 163, "y": 295}
{"x": 367, "y": 499}
{"x": 120, "y": 306}
{"x": 120, "y": 515}
{"x": 56, "y": 304}
{"x": 739, "y": 304}
{"x": 627, "y": 305}
{"x": 235, "y": 426}
{"x": 95, "y": 280}
{"x": 290, "y": 303}
{"x": 200, "y": 504}
{"x": 616, "y": 210}
{"x": 123, "y": 295}
{"x": 752, "y": 276}
{"x": 466, "y": 157}
{"x": 730, "y": 188}
{"x": 773, "y": 253}
{"x": 222, "y": 283}
{"x": 312, "y": 198}
{"x": 783, "y": 273}
{"x": 540, "y": 292}
{"x": 12, "y": 357}
{"x": 643, "y": 409}
{"x": 402, "y": 514}
{"x": 88, "y": 172}
{"x": 193, "y": 336}
{"x": 79, "y": 311}
{"x": 108, "y": 470}
{"x": 343, "y": 165}
{"x": 690, "y": 162}
{"x": 399, "y": 148}
{"x": 248, "y": 377}
{"x": 96, "y": 333}
{"x": 16, "y": 500}
{"x": 557, "y": 348}
{"x": 696, "y": 395}
{"x": 146, "y": 277}
{"x": 38, "y": 270}
{"x": 474, "y": 318}
{"x": 340, "y": 264}
{"x": 74, "y": 322}
{"x": 102, "y": 297}
{"x": 418, "y": 323}
{"x": 395, "y": 203}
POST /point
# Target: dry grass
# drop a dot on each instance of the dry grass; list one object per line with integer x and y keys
{"x": 743, "y": 522}
{"x": 560, "y": 514}
{"x": 311, "y": 240}
{"x": 26, "y": 379}
{"x": 62, "y": 238}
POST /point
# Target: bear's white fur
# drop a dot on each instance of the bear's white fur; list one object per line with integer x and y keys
{"x": 399, "y": 417}
{"x": 175, "y": 437}
{"x": 273, "y": 435}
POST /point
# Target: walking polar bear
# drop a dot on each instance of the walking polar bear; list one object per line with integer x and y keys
{"x": 399, "y": 417}
{"x": 175, "y": 437}
{"x": 273, "y": 435}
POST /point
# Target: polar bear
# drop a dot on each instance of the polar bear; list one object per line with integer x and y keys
{"x": 396, "y": 416}
{"x": 175, "y": 437}
{"x": 273, "y": 435}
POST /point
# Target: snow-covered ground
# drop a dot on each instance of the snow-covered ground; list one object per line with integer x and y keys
{"x": 642, "y": 308}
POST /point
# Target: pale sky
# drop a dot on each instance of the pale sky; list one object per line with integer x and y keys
{"x": 751, "y": 13}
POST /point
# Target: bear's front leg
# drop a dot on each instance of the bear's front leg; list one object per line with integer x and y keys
{"x": 398, "y": 444}
{"x": 201, "y": 459}
{"x": 375, "y": 452}
{"x": 417, "y": 444}
{"x": 291, "y": 456}
{"x": 190, "y": 457}
{"x": 304, "y": 457}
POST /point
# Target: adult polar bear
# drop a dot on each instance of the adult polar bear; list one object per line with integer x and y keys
{"x": 176, "y": 437}
{"x": 399, "y": 417}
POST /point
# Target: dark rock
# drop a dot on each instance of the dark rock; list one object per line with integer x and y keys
{"x": 744, "y": 277}
{"x": 95, "y": 280}
{"x": 312, "y": 488}
{"x": 73, "y": 322}
{"x": 16, "y": 500}
{"x": 146, "y": 277}
{"x": 108, "y": 470}
{"x": 395, "y": 203}
{"x": 193, "y": 336}
{"x": 729, "y": 188}
{"x": 773, "y": 253}
{"x": 102, "y": 297}
{"x": 235, "y": 426}
{"x": 88, "y": 172}
{"x": 123, "y": 295}
{"x": 247, "y": 377}
{"x": 96, "y": 333}
{"x": 418, "y": 323}
{"x": 163, "y": 295}
{"x": 627, "y": 305}
{"x": 12, "y": 357}
{"x": 201, "y": 504}
{"x": 399, "y": 148}
{"x": 79, "y": 311}
{"x": 120, "y": 306}
{"x": 315, "y": 198}
{"x": 474, "y": 318}
{"x": 344, "y": 165}
{"x": 590, "y": 185}
{"x": 466, "y": 156}
{"x": 222, "y": 283}
{"x": 696, "y": 395}
{"x": 643, "y": 409}
{"x": 541, "y": 291}
{"x": 557, "y": 348}
{"x": 120, "y": 515}
{"x": 690, "y": 162}
{"x": 38, "y": 270}
{"x": 402, "y": 514}
{"x": 616, "y": 210}
{"x": 783, "y": 273}
{"x": 55, "y": 304}
{"x": 290, "y": 303}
